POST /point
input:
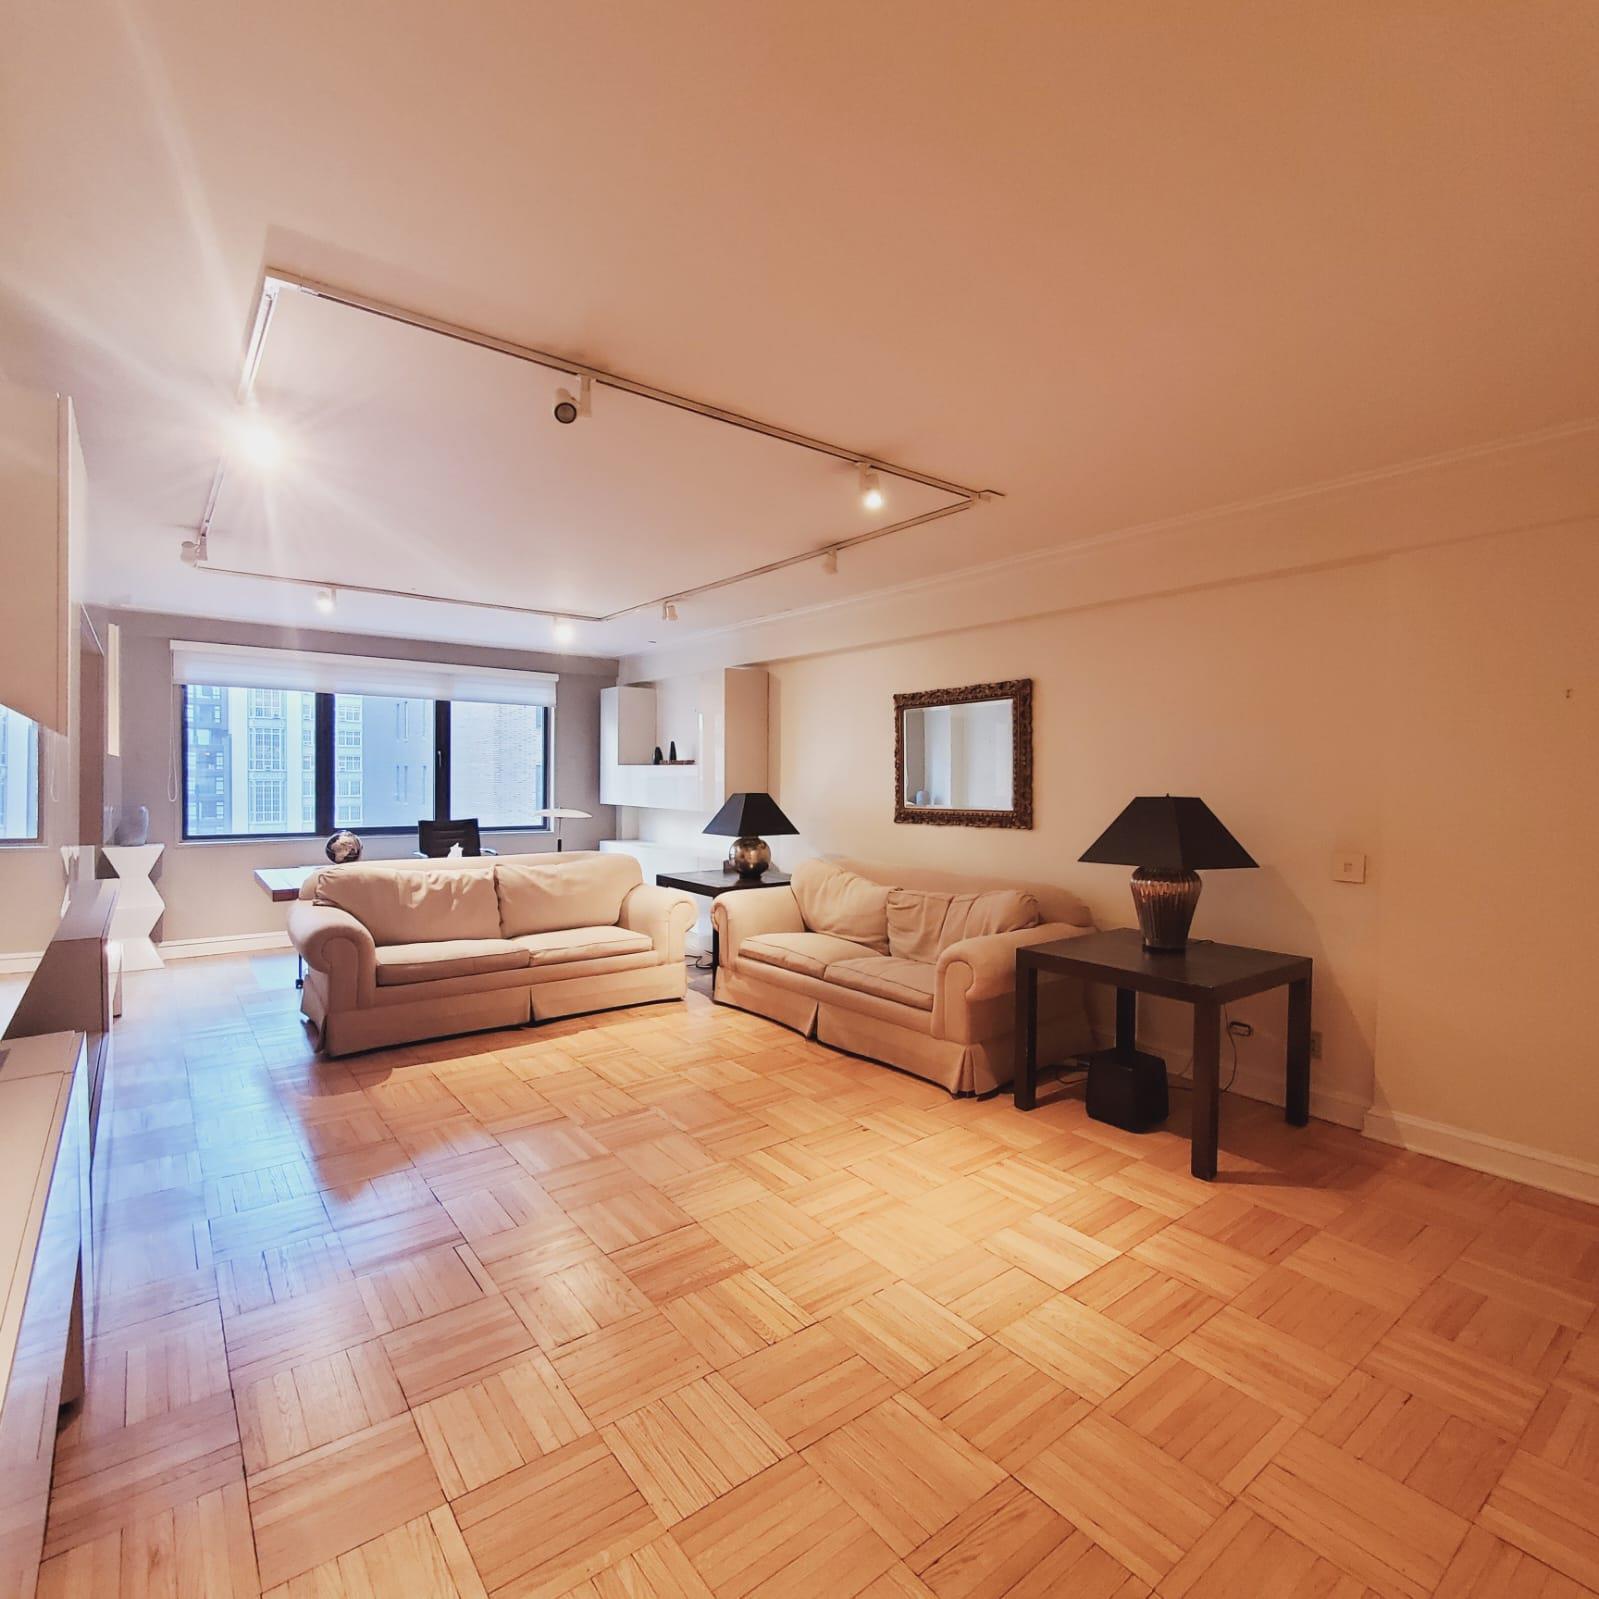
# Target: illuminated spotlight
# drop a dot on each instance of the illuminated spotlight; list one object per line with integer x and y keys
{"x": 668, "y": 611}
{"x": 325, "y": 600}
{"x": 564, "y": 631}
{"x": 871, "y": 489}
{"x": 256, "y": 442}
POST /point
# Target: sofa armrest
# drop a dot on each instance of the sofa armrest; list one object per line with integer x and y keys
{"x": 976, "y": 971}
{"x": 665, "y": 914}
{"x": 750, "y": 912}
{"x": 334, "y": 943}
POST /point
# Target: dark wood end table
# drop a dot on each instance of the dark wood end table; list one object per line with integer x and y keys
{"x": 711, "y": 884}
{"x": 1206, "y": 976}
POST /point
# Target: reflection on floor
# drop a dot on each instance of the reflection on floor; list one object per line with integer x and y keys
{"x": 671, "y": 1302}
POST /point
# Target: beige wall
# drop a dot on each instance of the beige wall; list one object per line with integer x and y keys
{"x": 1256, "y": 696}
{"x": 1490, "y": 898}
{"x": 1413, "y": 707}
{"x": 208, "y": 887}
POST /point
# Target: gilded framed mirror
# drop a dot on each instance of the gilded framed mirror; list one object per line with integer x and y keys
{"x": 963, "y": 757}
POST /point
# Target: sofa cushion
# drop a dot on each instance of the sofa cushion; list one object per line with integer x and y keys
{"x": 581, "y": 944}
{"x": 414, "y": 905}
{"x": 842, "y": 903}
{"x": 459, "y": 957}
{"x": 550, "y": 894}
{"x": 887, "y": 977}
{"x": 809, "y": 954}
{"x": 922, "y": 924}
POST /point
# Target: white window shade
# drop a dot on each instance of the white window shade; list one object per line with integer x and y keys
{"x": 247, "y": 666}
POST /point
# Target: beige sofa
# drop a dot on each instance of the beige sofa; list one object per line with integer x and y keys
{"x": 913, "y": 968}
{"x": 401, "y": 950}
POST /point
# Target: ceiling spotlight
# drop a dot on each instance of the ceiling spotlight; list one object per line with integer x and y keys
{"x": 569, "y": 407}
{"x": 325, "y": 600}
{"x": 668, "y": 611}
{"x": 563, "y": 631}
{"x": 256, "y": 442}
{"x": 871, "y": 489}
{"x": 830, "y": 561}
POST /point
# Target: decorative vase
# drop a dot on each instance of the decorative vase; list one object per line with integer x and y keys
{"x": 671, "y": 752}
{"x": 133, "y": 827}
{"x": 343, "y": 848}
{"x": 659, "y": 758}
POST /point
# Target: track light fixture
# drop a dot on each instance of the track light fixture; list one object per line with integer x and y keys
{"x": 256, "y": 442}
{"x": 668, "y": 611}
{"x": 569, "y": 407}
{"x": 563, "y": 631}
{"x": 325, "y": 600}
{"x": 871, "y": 489}
{"x": 830, "y": 561}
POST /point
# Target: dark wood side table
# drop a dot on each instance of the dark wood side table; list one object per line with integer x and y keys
{"x": 1206, "y": 976}
{"x": 711, "y": 884}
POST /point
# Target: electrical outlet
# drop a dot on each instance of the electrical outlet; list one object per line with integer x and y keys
{"x": 1240, "y": 1029}
{"x": 1315, "y": 1044}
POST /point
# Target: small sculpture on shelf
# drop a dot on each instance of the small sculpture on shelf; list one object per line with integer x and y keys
{"x": 671, "y": 752}
{"x": 659, "y": 758}
{"x": 344, "y": 847}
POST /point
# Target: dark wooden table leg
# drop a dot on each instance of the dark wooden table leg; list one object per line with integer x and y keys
{"x": 1296, "y": 1099}
{"x": 1024, "y": 1082}
{"x": 1126, "y": 1023}
{"x": 1205, "y": 1111}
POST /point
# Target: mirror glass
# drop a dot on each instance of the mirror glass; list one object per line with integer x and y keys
{"x": 959, "y": 757}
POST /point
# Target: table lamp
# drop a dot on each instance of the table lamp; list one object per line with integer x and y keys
{"x": 1170, "y": 839}
{"x": 744, "y": 818}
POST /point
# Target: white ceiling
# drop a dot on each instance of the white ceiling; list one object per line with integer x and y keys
{"x": 1121, "y": 263}
{"x": 416, "y": 461}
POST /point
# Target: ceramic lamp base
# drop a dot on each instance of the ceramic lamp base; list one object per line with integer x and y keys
{"x": 1165, "y": 902}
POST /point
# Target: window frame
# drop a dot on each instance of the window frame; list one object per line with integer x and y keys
{"x": 36, "y": 839}
{"x": 325, "y": 773}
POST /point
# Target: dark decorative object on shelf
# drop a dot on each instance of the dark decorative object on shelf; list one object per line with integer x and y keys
{"x": 671, "y": 752}
{"x": 744, "y": 818}
{"x": 1170, "y": 839}
{"x": 343, "y": 847}
{"x": 660, "y": 759}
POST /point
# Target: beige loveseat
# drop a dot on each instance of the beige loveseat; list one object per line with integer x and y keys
{"x": 400, "y": 950}
{"x": 909, "y": 967}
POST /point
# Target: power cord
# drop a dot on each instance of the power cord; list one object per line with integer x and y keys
{"x": 1187, "y": 1073}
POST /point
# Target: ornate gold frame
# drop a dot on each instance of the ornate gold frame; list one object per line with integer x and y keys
{"x": 1019, "y": 691}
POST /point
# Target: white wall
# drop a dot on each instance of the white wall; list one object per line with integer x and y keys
{"x": 1436, "y": 709}
{"x": 1262, "y": 697}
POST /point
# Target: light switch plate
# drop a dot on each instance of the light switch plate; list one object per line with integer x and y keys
{"x": 1349, "y": 867}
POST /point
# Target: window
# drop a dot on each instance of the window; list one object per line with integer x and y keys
{"x": 498, "y": 759}
{"x": 240, "y": 747}
{"x": 281, "y": 761}
{"x": 19, "y": 777}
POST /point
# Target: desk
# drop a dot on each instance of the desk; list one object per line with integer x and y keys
{"x": 710, "y": 884}
{"x": 1206, "y": 976}
{"x": 282, "y": 883}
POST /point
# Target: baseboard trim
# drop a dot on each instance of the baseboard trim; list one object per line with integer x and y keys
{"x": 185, "y": 949}
{"x": 21, "y": 963}
{"x": 1539, "y": 1168}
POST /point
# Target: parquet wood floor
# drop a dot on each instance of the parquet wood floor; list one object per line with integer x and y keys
{"x": 670, "y": 1303}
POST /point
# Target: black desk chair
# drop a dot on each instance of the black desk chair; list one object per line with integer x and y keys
{"x": 436, "y": 839}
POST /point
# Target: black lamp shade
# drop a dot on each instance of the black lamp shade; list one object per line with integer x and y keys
{"x": 751, "y": 816}
{"x": 1166, "y": 832}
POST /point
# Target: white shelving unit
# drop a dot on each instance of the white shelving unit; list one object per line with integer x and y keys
{"x": 718, "y": 721}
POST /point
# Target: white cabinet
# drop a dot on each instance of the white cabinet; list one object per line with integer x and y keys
{"x": 716, "y": 719}
{"x": 41, "y": 516}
